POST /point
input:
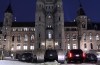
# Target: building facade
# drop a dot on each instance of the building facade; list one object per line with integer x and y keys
{"x": 49, "y": 30}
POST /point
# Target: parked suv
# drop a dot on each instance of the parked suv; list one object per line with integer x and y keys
{"x": 28, "y": 57}
{"x": 75, "y": 55}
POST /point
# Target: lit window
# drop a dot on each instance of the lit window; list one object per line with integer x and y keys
{"x": 25, "y": 29}
{"x": 43, "y": 43}
{"x": 90, "y": 36}
{"x": 32, "y": 47}
{"x": 97, "y": 37}
{"x": 25, "y": 47}
{"x": 18, "y": 47}
{"x": 68, "y": 46}
{"x": 32, "y": 37}
{"x": 74, "y": 46}
{"x": 26, "y": 38}
{"x": 56, "y": 43}
{"x": 74, "y": 37}
{"x": 49, "y": 35}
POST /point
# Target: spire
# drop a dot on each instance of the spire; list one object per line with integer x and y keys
{"x": 9, "y": 9}
{"x": 81, "y": 10}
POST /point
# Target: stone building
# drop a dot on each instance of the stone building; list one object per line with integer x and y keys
{"x": 49, "y": 30}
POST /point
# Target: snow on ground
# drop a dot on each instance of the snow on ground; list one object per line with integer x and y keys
{"x": 14, "y": 62}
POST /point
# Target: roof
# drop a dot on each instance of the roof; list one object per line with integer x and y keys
{"x": 23, "y": 24}
{"x": 70, "y": 24}
{"x": 9, "y": 9}
{"x": 93, "y": 26}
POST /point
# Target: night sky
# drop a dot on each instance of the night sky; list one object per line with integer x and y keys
{"x": 24, "y": 10}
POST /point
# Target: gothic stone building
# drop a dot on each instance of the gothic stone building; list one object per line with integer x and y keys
{"x": 49, "y": 30}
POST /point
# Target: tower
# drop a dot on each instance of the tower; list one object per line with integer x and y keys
{"x": 81, "y": 21}
{"x": 49, "y": 24}
{"x": 6, "y": 29}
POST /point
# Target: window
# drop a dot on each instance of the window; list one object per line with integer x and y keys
{"x": 26, "y": 38}
{"x": 59, "y": 18}
{"x": 5, "y": 37}
{"x": 25, "y": 29}
{"x": 39, "y": 18}
{"x": 12, "y": 48}
{"x": 91, "y": 46}
{"x": 18, "y": 38}
{"x": 25, "y": 47}
{"x": 84, "y": 36}
{"x": 39, "y": 45}
{"x": 32, "y": 47}
{"x": 83, "y": 25}
{"x": 68, "y": 46}
{"x": 0, "y": 37}
{"x": 85, "y": 46}
{"x": 74, "y": 46}
{"x": 90, "y": 36}
{"x": 74, "y": 37}
{"x": 49, "y": 35}
{"x": 56, "y": 43}
{"x": 13, "y": 38}
{"x": 68, "y": 37}
{"x": 18, "y": 47}
{"x": 32, "y": 37}
{"x": 97, "y": 37}
{"x": 60, "y": 45}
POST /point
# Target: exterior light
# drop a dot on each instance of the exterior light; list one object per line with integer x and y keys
{"x": 56, "y": 43}
{"x": 43, "y": 44}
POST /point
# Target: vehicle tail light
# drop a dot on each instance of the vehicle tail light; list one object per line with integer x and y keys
{"x": 84, "y": 55}
{"x": 70, "y": 55}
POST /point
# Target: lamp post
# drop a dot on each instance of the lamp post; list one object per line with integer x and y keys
{"x": 2, "y": 52}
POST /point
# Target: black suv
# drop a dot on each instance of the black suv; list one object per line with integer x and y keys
{"x": 75, "y": 55}
{"x": 28, "y": 57}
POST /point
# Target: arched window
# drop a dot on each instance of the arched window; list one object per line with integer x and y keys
{"x": 25, "y": 47}
{"x": 97, "y": 37}
{"x": 32, "y": 37}
{"x": 91, "y": 45}
{"x": 26, "y": 38}
{"x": 85, "y": 46}
{"x": 18, "y": 47}
{"x": 49, "y": 35}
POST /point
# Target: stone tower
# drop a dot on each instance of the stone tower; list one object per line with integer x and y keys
{"x": 6, "y": 29}
{"x": 49, "y": 24}
{"x": 81, "y": 21}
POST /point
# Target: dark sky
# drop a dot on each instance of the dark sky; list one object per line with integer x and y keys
{"x": 24, "y": 10}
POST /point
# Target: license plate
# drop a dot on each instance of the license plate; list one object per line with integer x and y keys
{"x": 77, "y": 55}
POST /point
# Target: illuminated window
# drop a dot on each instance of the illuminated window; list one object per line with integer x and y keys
{"x": 74, "y": 46}
{"x": 5, "y": 37}
{"x": 25, "y": 29}
{"x": 68, "y": 46}
{"x": 25, "y": 47}
{"x": 49, "y": 35}
{"x": 74, "y": 37}
{"x": 97, "y": 37}
{"x": 18, "y": 47}
{"x": 90, "y": 36}
{"x": 32, "y": 37}
{"x": 32, "y": 47}
{"x": 26, "y": 38}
